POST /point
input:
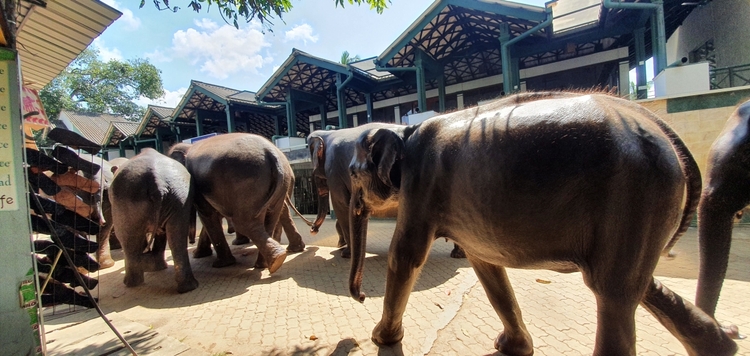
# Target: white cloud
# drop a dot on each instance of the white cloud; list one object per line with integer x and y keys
{"x": 158, "y": 56}
{"x": 170, "y": 98}
{"x": 221, "y": 50}
{"x": 131, "y": 22}
{"x": 107, "y": 54}
{"x": 302, "y": 32}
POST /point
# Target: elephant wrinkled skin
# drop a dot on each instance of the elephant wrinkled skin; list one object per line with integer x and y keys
{"x": 727, "y": 192}
{"x": 559, "y": 181}
{"x": 152, "y": 199}
{"x": 243, "y": 177}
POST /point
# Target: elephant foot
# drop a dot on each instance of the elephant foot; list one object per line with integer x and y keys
{"x": 387, "y": 336}
{"x": 240, "y": 240}
{"x": 457, "y": 252}
{"x": 230, "y": 229}
{"x": 508, "y": 346}
{"x": 106, "y": 261}
{"x": 296, "y": 248}
{"x": 346, "y": 252}
{"x": 341, "y": 242}
{"x": 733, "y": 332}
{"x": 133, "y": 279}
{"x": 224, "y": 262}
{"x": 187, "y": 286}
{"x": 202, "y": 252}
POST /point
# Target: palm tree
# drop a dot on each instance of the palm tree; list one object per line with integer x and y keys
{"x": 346, "y": 59}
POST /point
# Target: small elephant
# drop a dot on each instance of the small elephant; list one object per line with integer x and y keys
{"x": 152, "y": 206}
{"x": 726, "y": 193}
{"x": 246, "y": 178}
{"x": 561, "y": 181}
{"x": 331, "y": 152}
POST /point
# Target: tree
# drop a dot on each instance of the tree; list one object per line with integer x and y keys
{"x": 92, "y": 85}
{"x": 263, "y": 10}
{"x": 346, "y": 58}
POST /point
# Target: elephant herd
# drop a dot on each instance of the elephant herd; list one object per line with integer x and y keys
{"x": 571, "y": 182}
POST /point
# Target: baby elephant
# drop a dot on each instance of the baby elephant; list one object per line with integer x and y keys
{"x": 152, "y": 198}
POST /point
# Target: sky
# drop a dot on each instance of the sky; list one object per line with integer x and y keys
{"x": 186, "y": 45}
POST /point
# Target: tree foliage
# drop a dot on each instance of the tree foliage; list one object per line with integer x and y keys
{"x": 346, "y": 58}
{"x": 263, "y": 10}
{"x": 92, "y": 85}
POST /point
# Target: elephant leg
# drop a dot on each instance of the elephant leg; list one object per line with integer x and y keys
{"x": 270, "y": 253}
{"x": 156, "y": 260}
{"x": 133, "y": 243}
{"x": 176, "y": 232}
{"x": 406, "y": 257}
{"x": 292, "y": 234}
{"x": 515, "y": 338}
{"x": 240, "y": 239}
{"x": 457, "y": 252}
{"x": 230, "y": 226}
{"x": 203, "y": 249}
{"x": 211, "y": 220}
{"x": 696, "y": 330}
{"x": 343, "y": 225}
{"x": 103, "y": 254}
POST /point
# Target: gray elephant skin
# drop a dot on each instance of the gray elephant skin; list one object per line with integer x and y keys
{"x": 152, "y": 206}
{"x": 247, "y": 179}
{"x": 727, "y": 192}
{"x": 330, "y": 153}
{"x": 560, "y": 181}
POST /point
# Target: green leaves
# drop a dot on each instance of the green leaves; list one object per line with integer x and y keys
{"x": 92, "y": 85}
{"x": 263, "y": 10}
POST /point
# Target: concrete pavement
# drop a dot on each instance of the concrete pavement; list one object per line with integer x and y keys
{"x": 305, "y": 309}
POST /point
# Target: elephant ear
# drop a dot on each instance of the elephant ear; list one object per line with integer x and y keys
{"x": 317, "y": 153}
{"x": 376, "y": 154}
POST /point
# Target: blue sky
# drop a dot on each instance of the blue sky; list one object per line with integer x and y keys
{"x": 186, "y": 45}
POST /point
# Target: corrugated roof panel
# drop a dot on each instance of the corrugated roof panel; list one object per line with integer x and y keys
{"x": 52, "y": 37}
{"x": 91, "y": 126}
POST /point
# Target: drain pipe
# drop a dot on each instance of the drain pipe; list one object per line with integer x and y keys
{"x": 340, "y": 101}
{"x": 657, "y": 6}
{"x": 505, "y": 49}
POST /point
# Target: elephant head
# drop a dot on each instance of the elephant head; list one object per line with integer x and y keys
{"x": 727, "y": 191}
{"x": 178, "y": 152}
{"x": 318, "y": 157}
{"x": 376, "y": 177}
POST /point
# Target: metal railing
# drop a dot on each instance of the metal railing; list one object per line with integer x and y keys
{"x": 729, "y": 77}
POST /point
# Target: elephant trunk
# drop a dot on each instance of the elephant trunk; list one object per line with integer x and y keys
{"x": 715, "y": 240}
{"x": 323, "y": 207}
{"x": 358, "y": 242}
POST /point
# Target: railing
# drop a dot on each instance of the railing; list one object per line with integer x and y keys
{"x": 729, "y": 77}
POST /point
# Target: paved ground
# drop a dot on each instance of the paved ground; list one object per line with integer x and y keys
{"x": 305, "y": 309}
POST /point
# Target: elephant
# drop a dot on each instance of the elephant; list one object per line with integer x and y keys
{"x": 242, "y": 177}
{"x": 727, "y": 192}
{"x": 552, "y": 180}
{"x": 152, "y": 206}
{"x": 105, "y": 238}
{"x": 331, "y": 152}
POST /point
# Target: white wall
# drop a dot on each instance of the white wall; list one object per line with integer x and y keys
{"x": 727, "y": 22}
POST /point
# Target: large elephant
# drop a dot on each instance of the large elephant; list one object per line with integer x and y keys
{"x": 331, "y": 152}
{"x": 243, "y": 177}
{"x": 726, "y": 193}
{"x": 560, "y": 181}
{"x": 152, "y": 206}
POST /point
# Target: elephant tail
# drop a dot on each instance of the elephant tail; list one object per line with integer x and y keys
{"x": 694, "y": 184}
{"x": 294, "y": 208}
